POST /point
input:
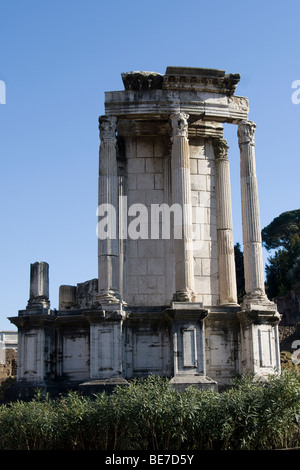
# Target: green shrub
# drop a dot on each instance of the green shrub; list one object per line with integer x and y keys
{"x": 149, "y": 414}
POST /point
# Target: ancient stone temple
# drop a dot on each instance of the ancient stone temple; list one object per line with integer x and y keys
{"x": 165, "y": 301}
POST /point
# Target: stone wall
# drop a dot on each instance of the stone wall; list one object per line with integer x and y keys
{"x": 202, "y": 167}
{"x": 147, "y": 262}
{"x": 8, "y": 366}
{"x": 149, "y": 279}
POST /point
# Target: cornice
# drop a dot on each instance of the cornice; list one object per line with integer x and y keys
{"x": 201, "y": 93}
{"x": 139, "y": 104}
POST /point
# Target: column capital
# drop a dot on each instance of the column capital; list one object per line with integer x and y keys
{"x": 179, "y": 124}
{"x": 220, "y": 148}
{"x": 107, "y": 127}
{"x": 246, "y": 131}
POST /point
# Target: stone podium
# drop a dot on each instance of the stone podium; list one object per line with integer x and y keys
{"x": 165, "y": 300}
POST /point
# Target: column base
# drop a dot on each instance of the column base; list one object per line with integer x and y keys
{"x": 181, "y": 382}
{"x": 92, "y": 387}
{"x": 257, "y": 304}
{"x": 39, "y": 303}
{"x": 108, "y": 297}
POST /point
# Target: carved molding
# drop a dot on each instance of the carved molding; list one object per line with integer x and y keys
{"x": 200, "y": 79}
{"x": 142, "y": 80}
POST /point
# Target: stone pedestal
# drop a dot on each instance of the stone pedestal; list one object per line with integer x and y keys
{"x": 259, "y": 351}
{"x": 67, "y": 297}
{"x": 222, "y": 343}
{"x": 188, "y": 345}
{"x": 36, "y": 340}
{"x": 106, "y": 343}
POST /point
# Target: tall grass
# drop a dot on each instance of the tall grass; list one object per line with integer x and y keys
{"x": 150, "y": 415}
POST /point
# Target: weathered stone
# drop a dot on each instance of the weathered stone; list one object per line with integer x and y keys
{"x": 39, "y": 286}
{"x": 165, "y": 298}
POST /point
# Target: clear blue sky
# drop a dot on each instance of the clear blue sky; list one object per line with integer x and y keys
{"x": 58, "y": 57}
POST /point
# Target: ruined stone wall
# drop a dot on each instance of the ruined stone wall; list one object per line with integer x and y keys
{"x": 8, "y": 364}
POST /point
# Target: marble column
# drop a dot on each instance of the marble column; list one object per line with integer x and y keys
{"x": 108, "y": 247}
{"x": 227, "y": 275}
{"x": 253, "y": 259}
{"x": 181, "y": 195}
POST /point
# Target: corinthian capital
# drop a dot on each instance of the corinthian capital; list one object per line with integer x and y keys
{"x": 107, "y": 127}
{"x": 246, "y": 131}
{"x": 220, "y": 148}
{"x": 179, "y": 124}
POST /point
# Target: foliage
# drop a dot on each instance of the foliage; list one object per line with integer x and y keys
{"x": 280, "y": 231}
{"x": 239, "y": 270}
{"x": 150, "y": 415}
{"x": 5, "y": 384}
{"x": 283, "y": 268}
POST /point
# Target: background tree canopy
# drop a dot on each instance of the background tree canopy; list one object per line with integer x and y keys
{"x": 283, "y": 268}
{"x": 239, "y": 270}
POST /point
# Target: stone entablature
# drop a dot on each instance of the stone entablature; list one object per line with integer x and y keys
{"x": 183, "y": 78}
{"x": 201, "y": 93}
{"x": 162, "y": 304}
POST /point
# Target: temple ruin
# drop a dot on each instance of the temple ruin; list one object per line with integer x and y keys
{"x": 165, "y": 301}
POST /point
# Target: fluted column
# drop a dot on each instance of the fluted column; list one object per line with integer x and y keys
{"x": 253, "y": 259}
{"x": 108, "y": 247}
{"x": 227, "y": 275}
{"x": 181, "y": 190}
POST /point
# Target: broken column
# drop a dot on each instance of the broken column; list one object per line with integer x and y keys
{"x": 67, "y": 297}
{"x": 39, "y": 286}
